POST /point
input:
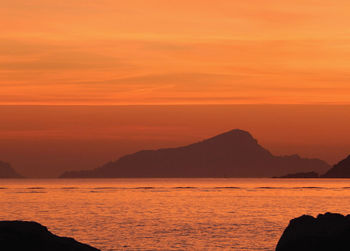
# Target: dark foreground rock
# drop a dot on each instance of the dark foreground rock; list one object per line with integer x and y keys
{"x": 300, "y": 175}
{"x": 327, "y": 232}
{"x": 340, "y": 170}
{"x": 31, "y": 236}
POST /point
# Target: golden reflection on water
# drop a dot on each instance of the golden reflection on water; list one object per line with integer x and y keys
{"x": 170, "y": 214}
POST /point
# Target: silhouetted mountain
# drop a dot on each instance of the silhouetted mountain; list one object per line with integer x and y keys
{"x": 31, "y": 236}
{"x": 300, "y": 175}
{"x": 340, "y": 170}
{"x": 232, "y": 154}
{"x": 6, "y": 171}
{"x": 327, "y": 232}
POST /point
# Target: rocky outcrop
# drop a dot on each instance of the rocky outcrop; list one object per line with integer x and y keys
{"x": 6, "y": 171}
{"x": 327, "y": 232}
{"x": 340, "y": 170}
{"x": 232, "y": 154}
{"x": 31, "y": 236}
{"x": 300, "y": 175}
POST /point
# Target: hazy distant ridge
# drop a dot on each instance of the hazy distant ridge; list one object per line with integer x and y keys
{"x": 6, "y": 171}
{"x": 232, "y": 154}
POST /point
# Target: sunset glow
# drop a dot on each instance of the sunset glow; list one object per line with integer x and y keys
{"x": 174, "y": 52}
{"x": 174, "y": 125}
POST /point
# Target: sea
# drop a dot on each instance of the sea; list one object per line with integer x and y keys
{"x": 171, "y": 214}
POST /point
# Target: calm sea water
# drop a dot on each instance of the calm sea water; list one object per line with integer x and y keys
{"x": 171, "y": 214}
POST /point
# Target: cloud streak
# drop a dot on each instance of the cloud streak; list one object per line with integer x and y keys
{"x": 109, "y": 52}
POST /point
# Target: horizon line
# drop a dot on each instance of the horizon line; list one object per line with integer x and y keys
{"x": 177, "y": 104}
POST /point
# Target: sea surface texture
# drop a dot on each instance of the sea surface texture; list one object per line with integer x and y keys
{"x": 171, "y": 214}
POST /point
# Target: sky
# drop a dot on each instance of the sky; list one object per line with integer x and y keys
{"x": 85, "y": 81}
{"x": 174, "y": 52}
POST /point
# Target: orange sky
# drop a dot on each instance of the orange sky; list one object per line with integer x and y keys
{"x": 174, "y": 52}
{"x": 157, "y": 52}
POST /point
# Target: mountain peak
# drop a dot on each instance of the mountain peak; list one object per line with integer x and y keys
{"x": 235, "y": 134}
{"x": 234, "y": 153}
{"x": 238, "y": 132}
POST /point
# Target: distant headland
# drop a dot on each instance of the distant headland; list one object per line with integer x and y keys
{"x": 340, "y": 170}
{"x": 232, "y": 154}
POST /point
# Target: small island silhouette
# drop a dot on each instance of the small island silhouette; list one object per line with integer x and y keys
{"x": 232, "y": 154}
{"x": 340, "y": 170}
{"x": 300, "y": 175}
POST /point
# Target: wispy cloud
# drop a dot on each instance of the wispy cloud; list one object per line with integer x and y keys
{"x": 109, "y": 52}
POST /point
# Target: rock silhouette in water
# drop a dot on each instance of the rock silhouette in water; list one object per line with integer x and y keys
{"x": 232, "y": 154}
{"x": 340, "y": 170}
{"x": 6, "y": 171}
{"x": 300, "y": 175}
{"x": 327, "y": 232}
{"x": 31, "y": 236}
